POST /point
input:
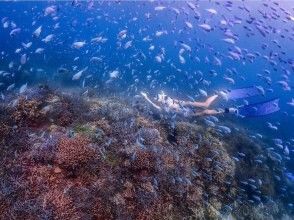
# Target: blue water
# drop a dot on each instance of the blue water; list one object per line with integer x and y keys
{"x": 108, "y": 18}
{"x": 79, "y": 22}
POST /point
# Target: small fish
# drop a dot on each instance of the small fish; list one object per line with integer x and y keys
{"x": 99, "y": 40}
{"x": 96, "y": 59}
{"x": 182, "y": 59}
{"x": 160, "y": 33}
{"x": 48, "y": 38}
{"x": 152, "y": 47}
{"x": 203, "y": 92}
{"x": 78, "y": 75}
{"x": 114, "y": 74}
{"x": 229, "y": 79}
{"x": 122, "y": 34}
{"x": 286, "y": 151}
{"x": 23, "y": 88}
{"x": 78, "y": 44}
{"x": 209, "y": 123}
{"x": 236, "y": 159}
{"x": 186, "y": 47}
{"x": 28, "y": 45}
{"x": 272, "y": 127}
{"x": 260, "y": 89}
{"x": 213, "y": 118}
{"x": 241, "y": 154}
{"x": 223, "y": 129}
{"x": 39, "y": 50}
{"x": 128, "y": 44}
{"x": 257, "y": 198}
{"x": 229, "y": 40}
{"x": 211, "y": 11}
{"x": 14, "y": 32}
{"x": 37, "y": 32}
{"x": 205, "y": 27}
{"x": 158, "y": 59}
{"x": 191, "y": 5}
{"x": 291, "y": 103}
{"x": 10, "y": 87}
{"x": 23, "y": 59}
{"x": 284, "y": 85}
{"x": 189, "y": 25}
{"x": 51, "y": 10}
{"x": 159, "y": 8}
{"x": 6, "y": 24}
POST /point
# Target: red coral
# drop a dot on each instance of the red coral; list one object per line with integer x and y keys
{"x": 65, "y": 118}
{"x": 74, "y": 152}
{"x": 4, "y": 132}
{"x": 62, "y": 205}
{"x": 144, "y": 161}
{"x": 28, "y": 112}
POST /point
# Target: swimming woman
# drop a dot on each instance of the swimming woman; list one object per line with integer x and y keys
{"x": 168, "y": 104}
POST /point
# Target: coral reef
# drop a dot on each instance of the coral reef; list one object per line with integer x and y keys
{"x": 74, "y": 152}
{"x": 99, "y": 158}
{"x": 28, "y": 112}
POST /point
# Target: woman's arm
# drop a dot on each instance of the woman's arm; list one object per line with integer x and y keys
{"x": 148, "y": 100}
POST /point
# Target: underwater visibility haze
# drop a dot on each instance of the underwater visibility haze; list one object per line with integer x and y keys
{"x": 147, "y": 109}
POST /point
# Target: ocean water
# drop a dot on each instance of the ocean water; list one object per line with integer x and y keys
{"x": 189, "y": 50}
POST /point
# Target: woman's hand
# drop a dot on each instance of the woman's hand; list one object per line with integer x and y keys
{"x": 144, "y": 95}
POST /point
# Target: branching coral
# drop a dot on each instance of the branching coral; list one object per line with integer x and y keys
{"x": 28, "y": 112}
{"x": 116, "y": 111}
{"x": 125, "y": 163}
{"x": 4, "y": 132}
{"x": 61, "y": 205}
{"x": 144, "y": 161}
{"x": 149, "y": 136}
{"x": 74, "y": 152}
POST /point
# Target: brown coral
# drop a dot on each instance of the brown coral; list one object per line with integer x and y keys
{"x": 28, "y": 112}
{"x": 104, "y": 125}
{"x": 74, "y": 152}
{"x": 4, "y": 132}
{"x": 149, "y": 136}
{"x": 145, "y": 161}
{"x": 62, "y": 205}
{"x": 65, "y": 118}
{"x": 148, "y": 169}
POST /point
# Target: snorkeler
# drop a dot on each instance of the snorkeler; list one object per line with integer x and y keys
{"x": 168, "y": 104}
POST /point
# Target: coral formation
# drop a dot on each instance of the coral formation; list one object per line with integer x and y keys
{"x": 103, "y": 159}
{"x": 28, "y": 112}
{"x": 74, "y": 152}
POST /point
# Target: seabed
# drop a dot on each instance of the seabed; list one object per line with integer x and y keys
{"x": 65, "y": 155}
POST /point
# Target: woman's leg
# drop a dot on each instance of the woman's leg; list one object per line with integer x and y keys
{"x": 205, "y": 104}
{"x": 208, "y": 112}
